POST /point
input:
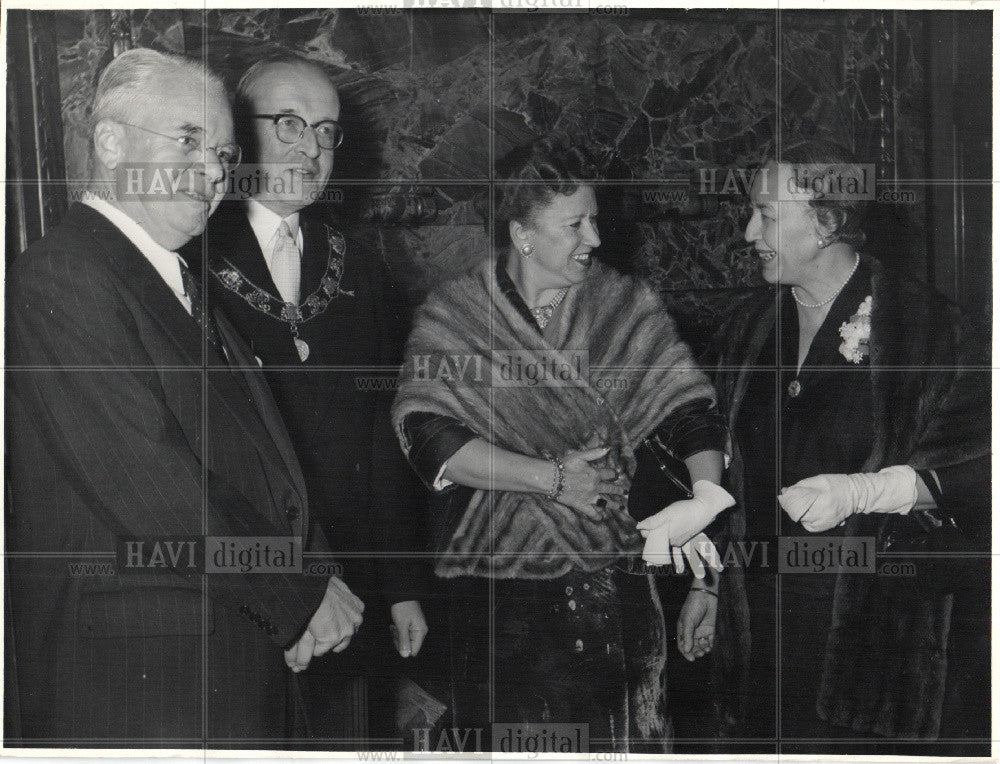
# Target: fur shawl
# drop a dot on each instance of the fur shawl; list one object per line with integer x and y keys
{"x": 885, "y": 666}
{"x": 609, "y": 365}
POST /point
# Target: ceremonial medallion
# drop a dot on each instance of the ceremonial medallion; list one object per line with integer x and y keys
{"x": 289, "y": 313}
{"x": 303, "y": 347}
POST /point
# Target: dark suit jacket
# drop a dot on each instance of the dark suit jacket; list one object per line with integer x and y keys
{"x": 362, "y": 492}
{"x": 115, "y": 429}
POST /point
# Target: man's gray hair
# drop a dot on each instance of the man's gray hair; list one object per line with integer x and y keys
{"x": 130, "y": 78}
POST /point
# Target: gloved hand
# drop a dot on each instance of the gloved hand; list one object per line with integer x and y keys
{"x": 823, "y": 502}
{"x": 698, "y": 551}
{"x": 669, "y": 532}
{"x": 677, "y": 523}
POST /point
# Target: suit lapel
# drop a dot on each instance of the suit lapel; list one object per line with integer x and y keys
{"x": 268, "y": 425}
{"x": 256, "y": 417}
{"x": 147, "y": 284}
{"x": 235, "y": 237}
{"x": 315, "y": 253}
{"x": 242, "y": 249}
{"x": 315, "y": 259}
{"x": 232, "y": 235}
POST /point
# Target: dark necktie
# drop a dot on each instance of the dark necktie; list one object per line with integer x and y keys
{"x": 204, "y": 318}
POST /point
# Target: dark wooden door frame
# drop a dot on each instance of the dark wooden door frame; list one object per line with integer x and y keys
{"x": 36, "y": 169}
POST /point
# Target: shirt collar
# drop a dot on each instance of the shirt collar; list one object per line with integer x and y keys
{"x": 265, "y": 223}
{"x": 167, "y": 263}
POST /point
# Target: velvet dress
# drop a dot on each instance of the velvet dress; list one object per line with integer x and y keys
{"x": 825, "y": 427}
{"x": 577, "y": 649}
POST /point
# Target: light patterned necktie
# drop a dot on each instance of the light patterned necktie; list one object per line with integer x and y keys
{"x": 286, "y": 264}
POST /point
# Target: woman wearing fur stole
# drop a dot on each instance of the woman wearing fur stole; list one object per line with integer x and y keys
{"x": 527, "y": 386}
{"x": 868, "y": 394}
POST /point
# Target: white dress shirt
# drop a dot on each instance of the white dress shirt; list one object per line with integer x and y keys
{"x": 167, "y": 263}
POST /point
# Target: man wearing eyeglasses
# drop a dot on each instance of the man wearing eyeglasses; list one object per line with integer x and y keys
{"x": 320, "y": 313}
{"x": 142, "y": 440}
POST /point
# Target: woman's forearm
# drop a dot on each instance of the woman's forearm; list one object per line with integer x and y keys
{"x": 480, "y": 464}
{"x": 709, "y": 583}
{"x": 705, "y": 465}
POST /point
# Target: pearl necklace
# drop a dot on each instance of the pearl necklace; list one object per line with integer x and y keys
{"x": 544, "y": 313}
{"x": 857, "y": 262}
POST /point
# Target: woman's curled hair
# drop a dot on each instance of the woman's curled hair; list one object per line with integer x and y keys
{"x": 531, "y": 175}
{"x": 824, "y": 163}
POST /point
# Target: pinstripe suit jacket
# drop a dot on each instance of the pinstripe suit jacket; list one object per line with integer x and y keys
{"x": 117, "y": 427}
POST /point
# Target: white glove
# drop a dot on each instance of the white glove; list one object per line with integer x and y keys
{"x": 698, "y": 551}
{"x": 678, "y": 523}
{"x": 823, "y": 502}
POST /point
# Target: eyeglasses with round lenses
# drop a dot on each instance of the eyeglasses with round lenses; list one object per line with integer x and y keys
{"x": 228, "y": 154}
{"x": 289, "y": 128}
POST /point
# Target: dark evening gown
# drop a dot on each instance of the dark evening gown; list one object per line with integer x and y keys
{"x": 567, "y": 650}
{"x": 825, "y": 428}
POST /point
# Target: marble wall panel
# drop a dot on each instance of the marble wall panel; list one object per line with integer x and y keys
{"x": 655, "y": 95}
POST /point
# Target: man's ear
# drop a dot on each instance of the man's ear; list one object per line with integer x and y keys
{"x": 109, "y": 143}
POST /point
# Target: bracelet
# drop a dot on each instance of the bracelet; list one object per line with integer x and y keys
{"x": 557, "y": 478}
{"x": 706, "y": 591}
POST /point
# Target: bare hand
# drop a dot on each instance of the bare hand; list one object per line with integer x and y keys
{"x": 696, "y": 624}
{"x": 589, "y": 489}
{"x": 408, "y": 627}
{"x": 334, "y": 623}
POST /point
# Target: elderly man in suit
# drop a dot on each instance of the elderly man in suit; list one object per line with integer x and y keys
{"x": 320, "y": 312}
{"x": 135, "y": 416}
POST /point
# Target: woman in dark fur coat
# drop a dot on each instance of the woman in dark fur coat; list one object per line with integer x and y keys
{"x": 530, "y": 454}
{"x": 860, "y": 406}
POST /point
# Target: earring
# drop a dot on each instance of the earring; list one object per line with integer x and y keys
{"x": 526, "y": 250}
{"x": 822, "y": 243}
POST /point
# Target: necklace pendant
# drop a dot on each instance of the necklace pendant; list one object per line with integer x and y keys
{"x": 303, "y": 348}
{"x": 794, "y": 388}
{"x": 543, "y": 314}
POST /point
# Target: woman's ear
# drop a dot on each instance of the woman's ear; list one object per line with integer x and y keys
{"x": 109, "y": 143}
{"x": 827, "y": 224}
{"x": 518, "y": 233}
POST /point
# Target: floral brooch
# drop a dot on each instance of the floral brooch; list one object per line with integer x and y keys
{"x": 856, "y": 332}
